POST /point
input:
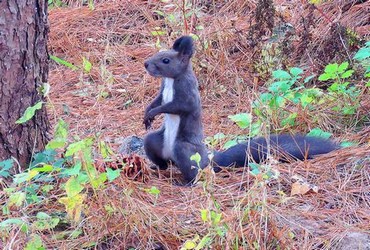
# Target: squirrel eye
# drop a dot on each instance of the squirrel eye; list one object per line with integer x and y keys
{"x": 166, "y": 60}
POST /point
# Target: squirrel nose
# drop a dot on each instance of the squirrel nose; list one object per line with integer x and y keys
{"x": 146, "y": 65}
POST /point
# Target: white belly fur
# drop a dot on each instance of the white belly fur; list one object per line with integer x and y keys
{"x": 171, "y": 122}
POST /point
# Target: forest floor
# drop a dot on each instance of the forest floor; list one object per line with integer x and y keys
{"x": 237, "y": 50}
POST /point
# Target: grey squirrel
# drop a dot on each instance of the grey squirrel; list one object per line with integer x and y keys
{"x": 181, "y": 135}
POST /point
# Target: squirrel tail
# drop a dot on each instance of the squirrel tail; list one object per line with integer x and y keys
{"x": 285, "y": 146}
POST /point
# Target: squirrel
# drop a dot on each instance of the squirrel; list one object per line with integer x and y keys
{"x": 181, "y": 135}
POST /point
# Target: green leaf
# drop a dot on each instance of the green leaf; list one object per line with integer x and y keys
{"x": 79, "y": 146}
{"x": 309, "y": 78}
{"x": 189, "y": 244}
{"x": 203, "y": 215}
{"x": 243, "y": 120}
{"x": 255, "y": 168}
{"x": 230, "y": 143}
{"x": 317, "y": 132}
{"x": 44, "y": 168}
{"x": 105, "y": 150}
{"x": 99, "y": 180}
{"x": 113, "y": 174}
{"x": 17, "y": 199}
{"x": 60, "y": 136}
{"x": 63, "y": 62}
{"x": 196, "y": 157}
{"x": 347, "y": 74}
{"x": 296, "y": 71}
{"x": 73, "y": 187}
{"x": 29, "y": 113}
{"x": 342, "y": 67}
{"x": 75, "y": 170}
{"x": 280, "y": 87}
{"x": 362, "y": 54}
{"x": 290, "y": 120}
{"x": 6, "y": 224}
{"x": 86, "y": 65}
{"x": 325, "y": 77}
{"x": 5, "y": 167}
{"x": 35, "y": 243}
{"x": 206, "y": 240}
{"x": 153, "y": 191}
{"x": 281, "y": 75}
{"x": 347, "y": 144}
{"x": 158, "y": 33}
{"x": 331, "y": 68}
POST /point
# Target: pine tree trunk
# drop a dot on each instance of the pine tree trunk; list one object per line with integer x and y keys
{"x": 23, "y": 70}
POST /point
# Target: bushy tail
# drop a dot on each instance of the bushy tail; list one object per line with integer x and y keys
{"x": 284, "y": 146}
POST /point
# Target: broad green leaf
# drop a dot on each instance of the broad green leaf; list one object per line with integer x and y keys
{"x": 20, "y": 178}
{"x": 35, "y": 243}
{"x": 5, "y": 167}
{"x": 342, "y": 67}
{"x": 347, "y": 74}
{"x": 99, "y": 180}
{"x": 290, "y": 120}
{"x": 243, "y": 120}
{"x": 230, "y": 143}
{"x": 349, "y": 110}
{"x": 347, "y": 144}
{"x": 362, "y": 54}
{"x": 29, "y": 113}
{"x": 73, "y": 187}
{"x": 331, "y": 68}
{"x": 60, "y": 135}
{"x": 6, "y": 224}
{"x": 325, "y": 77}
{"x": 17, "y": 199}
{"x": 296, "y": 71}
{"x": 75, "y": 170}
{"x": 266, "y": 97}
{"x": 281, "y": 75}
{"x": 317, "y": 132}
{"x": 78, "y": 146}
{"x": 63, "y": 62}
{"x": 280, "y": 87}
{"x": 306, "y": 99}
{"x": 113, "y": 174}
{"x": 309, "y": 78}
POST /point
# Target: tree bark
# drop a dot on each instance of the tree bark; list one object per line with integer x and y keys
{"x": 23, "y": 69}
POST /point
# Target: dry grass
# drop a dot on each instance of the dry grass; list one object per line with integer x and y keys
{"x": 116, "y": 38}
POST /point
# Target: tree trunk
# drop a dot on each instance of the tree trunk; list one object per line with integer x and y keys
{"x": 23, "y": 69}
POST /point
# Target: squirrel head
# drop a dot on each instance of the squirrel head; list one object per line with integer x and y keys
{"x": 171, "y": 63}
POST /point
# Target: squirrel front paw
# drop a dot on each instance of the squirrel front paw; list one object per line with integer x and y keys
{"x": 148, "y": 123}
{"x": 148, "y": 119}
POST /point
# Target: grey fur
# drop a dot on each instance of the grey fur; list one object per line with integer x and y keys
{"x": 175, "y": 64}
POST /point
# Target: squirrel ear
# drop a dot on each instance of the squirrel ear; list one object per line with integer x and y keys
{"x": 184, "y": 45}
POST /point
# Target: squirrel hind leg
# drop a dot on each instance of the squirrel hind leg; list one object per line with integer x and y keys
{"x": 182, "y": 153}
{"x": 153, "y": 145}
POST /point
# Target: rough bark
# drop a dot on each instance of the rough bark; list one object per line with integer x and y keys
{"x": 23, "y": 69}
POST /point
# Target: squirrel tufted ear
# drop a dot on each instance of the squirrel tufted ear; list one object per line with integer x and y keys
{"x": 184, "y": 45}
